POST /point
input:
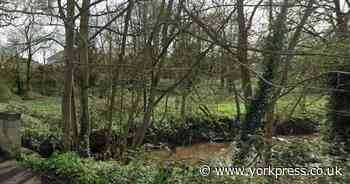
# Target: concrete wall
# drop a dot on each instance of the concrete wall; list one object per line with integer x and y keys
{"x": 10, "y": 135}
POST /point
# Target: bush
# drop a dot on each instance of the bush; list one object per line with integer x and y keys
{"x": 41, "y": 136}
{"x": 297, "y": 126}
{"x": 68, "y": 167}
{"x": 191, "y": 130}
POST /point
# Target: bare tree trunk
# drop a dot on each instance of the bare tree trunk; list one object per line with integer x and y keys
{"x": 165, "y": 13}
{"x": 183, "y": 104}
{"x": 84, "y": 89}
{"x": 28, "y": 93}
{"x": 242, "y": 54}
{"x": 116, "y": 75}
{"x": 237, "y": 104}
{"x": 110, "y": 100}
{"x": 28, "y": 31}
{"x": 68, "y": 82}
{"x": 147, "y": 117}
{"x": 18, "y": 76}
{"x": 43, "y": 76}
{"x": 75, "y": 123}
{"x": 131, "y": 118}
{"x": 222, "y": 69}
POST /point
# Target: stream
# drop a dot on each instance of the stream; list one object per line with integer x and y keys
{"x": 195, "y": 153}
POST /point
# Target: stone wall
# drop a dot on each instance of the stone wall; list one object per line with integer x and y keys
{"x": 10, "y": 135}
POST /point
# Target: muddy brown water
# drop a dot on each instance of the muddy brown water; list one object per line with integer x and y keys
{"x": 195, "y": 153}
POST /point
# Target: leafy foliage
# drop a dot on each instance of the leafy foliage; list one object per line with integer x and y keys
{"x": 73, "y": 169}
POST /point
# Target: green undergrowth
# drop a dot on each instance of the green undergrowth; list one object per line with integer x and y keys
{"x": 192, "y": 129}
{"x": 312, "y": 107}
{"x": 42, "y": 119}
{"x": 47, "y": 106}
{"x": 72, "y": 169}
{"x": 291, "y": 153}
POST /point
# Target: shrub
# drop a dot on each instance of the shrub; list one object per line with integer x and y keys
{"x": 41, "y": 136}
{"x": 297, "y": 126}
{"x": 193, "y": 129}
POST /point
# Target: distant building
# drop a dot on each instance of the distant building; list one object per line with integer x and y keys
{"x": 56, "y": 59}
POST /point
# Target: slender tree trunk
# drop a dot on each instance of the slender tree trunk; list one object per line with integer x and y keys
{"x": 43, "y": 75}
{"x": 28, "y": 93}
{"x": 237, "y": 104}
{"x": 110, "y": 101}
{"x": 147, "y": 118}
{"x": 164, "y": 15}
{"x": 116, "y": 75}
{"x": 242, "y": 53}
{"x": 222, "y": 69}
{"x": 75, "y": 123}
{"x": 85, "y": 125}
{"x": 183, "y": 104}
{"x": 68, "y": 79}
{"x": 132, "y": 115}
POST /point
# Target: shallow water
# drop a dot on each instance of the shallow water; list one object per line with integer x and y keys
{"x": 195, "y": 153}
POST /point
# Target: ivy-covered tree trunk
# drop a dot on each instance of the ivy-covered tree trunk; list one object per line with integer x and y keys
{"x": 339, "y": 108}
{"x": 259, "y": 104}
{"x": 339, "y": 83}
{"x": 293, "y": 42}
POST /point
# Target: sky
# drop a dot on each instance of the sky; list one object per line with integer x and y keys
{"x": 259, "y": 24}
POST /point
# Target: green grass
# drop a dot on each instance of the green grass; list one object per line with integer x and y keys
{"x": 47, "y": 105}
{"x": 312, "y": 106}
{"x": 226, "y": 108}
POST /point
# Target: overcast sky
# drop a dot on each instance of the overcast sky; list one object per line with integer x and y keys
{"x": 259, "y": 24}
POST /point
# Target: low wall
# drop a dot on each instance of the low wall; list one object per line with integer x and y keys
{"x": 10, "y": 134}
